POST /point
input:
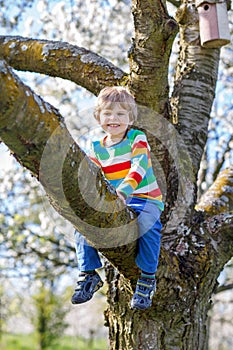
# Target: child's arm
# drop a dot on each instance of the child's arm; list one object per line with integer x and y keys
{"x": 122, "y": 198}
{"x": 92, "y": 156}
{"x": 95, "y": 160}
{"x": 140, "y": 161}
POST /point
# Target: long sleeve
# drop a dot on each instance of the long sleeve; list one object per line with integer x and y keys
{"x": 140, "y": 161}
{"x": 92, "y": 156}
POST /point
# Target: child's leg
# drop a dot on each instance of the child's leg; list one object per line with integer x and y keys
{"x": 87, "y": 256}
{"x": 148, "y": 252}
{"x": 88, "y": 280}
{"x": 149, "y": 249}
{"x": 149, "y": 227}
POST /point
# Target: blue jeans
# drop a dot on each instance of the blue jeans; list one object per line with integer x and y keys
{"x": 148, "y": 244}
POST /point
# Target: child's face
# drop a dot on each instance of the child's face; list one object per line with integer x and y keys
{"x": 114, "y": 119}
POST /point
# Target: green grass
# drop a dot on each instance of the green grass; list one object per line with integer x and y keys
{"x": 28, "y": 342}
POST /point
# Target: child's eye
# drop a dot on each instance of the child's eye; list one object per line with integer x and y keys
{"x": 106, "y": 114}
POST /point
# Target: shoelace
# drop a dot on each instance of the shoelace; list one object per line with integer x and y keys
{"x": 80, "y": 281}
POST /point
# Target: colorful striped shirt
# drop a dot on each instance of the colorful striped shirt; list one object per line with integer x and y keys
{"x": 127, "y": 166}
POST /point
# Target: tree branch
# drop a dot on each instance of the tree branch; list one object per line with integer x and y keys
{"x": 217, "y": 232}
{"x": 217, "y": 206}
{"x": 219, "y": 197}
{"x": 36, "y": 134}
{"x": 175, "y": 3}
{"x": 149, "y": 55}
{"x": 60, "y": 59}
{"x": 222, "y": 158}
{"x": 194, "y": 87}
{"x": 224, "y": 288}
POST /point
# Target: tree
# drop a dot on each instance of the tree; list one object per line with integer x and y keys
{"x": 28, "y": 223}
{"x": 23, "y": 219}
{"x": 197, "y": 237}
{"x": 50, "y": 313}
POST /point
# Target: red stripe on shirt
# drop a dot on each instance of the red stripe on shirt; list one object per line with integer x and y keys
{"x": 136, "y": 176}
{"x": 116, "y": 167}
{"x": 140, "y": 144}
{"x": 154, "y": 193}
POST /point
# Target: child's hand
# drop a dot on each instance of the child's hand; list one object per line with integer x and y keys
{"x": 122, "y": 198}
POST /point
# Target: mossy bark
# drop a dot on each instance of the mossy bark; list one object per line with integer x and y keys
{"x": 60, "y": 59}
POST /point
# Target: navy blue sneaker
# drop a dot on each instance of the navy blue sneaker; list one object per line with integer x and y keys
{"x": 87, "y": 285}
{"x": 142, "y": 298}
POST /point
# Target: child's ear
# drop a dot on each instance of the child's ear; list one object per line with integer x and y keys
{"x": 97, "y": 118}
{"x": 131, "y": 119}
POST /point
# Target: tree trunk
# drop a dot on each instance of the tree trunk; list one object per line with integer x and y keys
{"x": 174, "y": 327}
{"x": 186, "y": 279}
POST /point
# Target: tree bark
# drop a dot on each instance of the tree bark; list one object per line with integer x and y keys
{"x": 195, "y": 83}
{"x": 60, "y": 59}
{"x": 150, "y": 53}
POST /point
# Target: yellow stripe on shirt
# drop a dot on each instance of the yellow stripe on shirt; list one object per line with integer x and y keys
{"x": 117, "y": 175}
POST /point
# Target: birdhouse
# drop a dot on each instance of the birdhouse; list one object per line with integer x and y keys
{"x": 213, "y": 23}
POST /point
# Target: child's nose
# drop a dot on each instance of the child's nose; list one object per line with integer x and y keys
{"x": 113, "y": 116}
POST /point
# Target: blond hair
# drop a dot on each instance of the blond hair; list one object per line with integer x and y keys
{"x": 116, "y": 94}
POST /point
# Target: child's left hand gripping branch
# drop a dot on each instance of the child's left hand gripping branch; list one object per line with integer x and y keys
{"x": 120, "y": 195}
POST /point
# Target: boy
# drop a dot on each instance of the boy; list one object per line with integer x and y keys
{"x": 124, "y": 157}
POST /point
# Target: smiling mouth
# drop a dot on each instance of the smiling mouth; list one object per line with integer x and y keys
{"x": 113, "y": 125}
